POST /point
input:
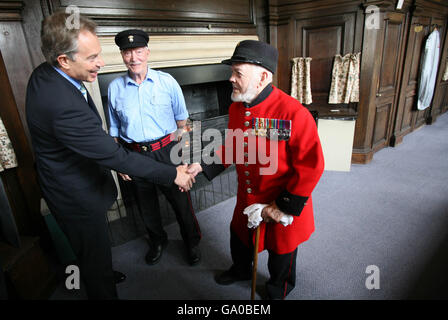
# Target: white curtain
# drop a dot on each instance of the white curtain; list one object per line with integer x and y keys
{"x": 301, "y": 80}
{"x": 429, "y": 67}
{"x": 345, "y": 79}
{"x": 7, "y": 155}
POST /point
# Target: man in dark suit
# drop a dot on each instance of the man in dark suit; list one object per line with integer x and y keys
{"x": 73, "y": 153}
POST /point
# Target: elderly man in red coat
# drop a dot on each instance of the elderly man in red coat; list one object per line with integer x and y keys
{"x": 273, "y": 126}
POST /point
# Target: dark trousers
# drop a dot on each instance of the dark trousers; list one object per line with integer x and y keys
{"x": 282, "y": 267}
{"x": 3, "y": 292}
{"x": 148, "y": 203}
{"x": 89, "y": 238}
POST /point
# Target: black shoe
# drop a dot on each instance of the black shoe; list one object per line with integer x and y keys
{"x": 194, "y": 255}
{"x": 119, "y": 277}
{"x": 155, "y": 253}
{"x": 230, "y": 276}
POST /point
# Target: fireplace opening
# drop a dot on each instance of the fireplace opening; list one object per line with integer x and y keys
{"x": 206, "y": 89}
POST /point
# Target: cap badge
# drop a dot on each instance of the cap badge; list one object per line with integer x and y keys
{"x": 131, "y": 38}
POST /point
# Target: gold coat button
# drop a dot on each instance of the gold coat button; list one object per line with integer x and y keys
{"x": 246, "y": 134}
{"x": 245, "y": 144}
{"x": 246, "y": 173}
{"x": 246, "y": 164}
{"x": 247, "y": 181}
{"x": 246, "y": 154}
{"x": 246, "y": 123}
{"x": 249, "y": 190}
{"x": 247, "y": 113}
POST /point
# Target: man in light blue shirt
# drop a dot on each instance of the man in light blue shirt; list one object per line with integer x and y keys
{"x": 146, "y": 109}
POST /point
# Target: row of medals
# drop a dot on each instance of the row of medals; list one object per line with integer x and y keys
{"x": 260, "y": 129}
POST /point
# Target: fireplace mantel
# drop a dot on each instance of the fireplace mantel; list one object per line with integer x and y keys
{"x": 176, "y": 50}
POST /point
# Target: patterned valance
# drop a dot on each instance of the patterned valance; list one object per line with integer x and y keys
{"x": 345, "y": 79}
{"x": 301, "y": 80}
{"x": 7, "y": 155}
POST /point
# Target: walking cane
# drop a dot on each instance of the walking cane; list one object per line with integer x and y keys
{"x": 254, "y": 269}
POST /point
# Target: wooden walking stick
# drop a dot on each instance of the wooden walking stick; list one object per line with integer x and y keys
{"x": 254, "y": 268}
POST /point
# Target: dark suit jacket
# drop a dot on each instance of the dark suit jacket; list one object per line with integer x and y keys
{"x": 73, "y": 152}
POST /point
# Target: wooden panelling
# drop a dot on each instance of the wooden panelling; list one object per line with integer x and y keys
{"x": 169, "y": 16}
{"x": 17, "y": 61}
{"x": 11, "y": 10}
{"x": 388, "y": 84}
{"x": 444, "y": 104}
{"x": 389, "y": 66}
{"x": 406, "y": 123}
{"x": 408, "y": 118}
{"x": 441, "y": 86}
{"x": 321, "y": 39}
{"x": 21, "y": 182}
{"x": 286, "y": 52}
{"x": 381, "y": 127}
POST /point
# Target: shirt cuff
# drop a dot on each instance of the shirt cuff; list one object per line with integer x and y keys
{"x": 180, "y": 117}
{"x": 290, "y": 203}
{"x": 113, "y": 132}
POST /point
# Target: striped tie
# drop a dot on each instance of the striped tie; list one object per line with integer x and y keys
{"x": 84, "y": 91}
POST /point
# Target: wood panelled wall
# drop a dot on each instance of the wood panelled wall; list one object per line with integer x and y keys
{"x": 321, "y": 29}
{"x": 390, "y": 56}
{"x": 15, "y": 68}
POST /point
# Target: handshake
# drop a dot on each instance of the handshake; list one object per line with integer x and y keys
{"x": 186, "y": 175}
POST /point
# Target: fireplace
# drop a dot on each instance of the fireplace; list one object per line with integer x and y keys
{"x": 206, "y": 89}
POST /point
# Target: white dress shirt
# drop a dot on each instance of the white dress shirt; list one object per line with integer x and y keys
{"x": 430, "y": 62}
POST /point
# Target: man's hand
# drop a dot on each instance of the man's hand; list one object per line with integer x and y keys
{"x": 177, "y": 135}
{"x": 183, "y": 179}
{"x": 194, "y": 169}
{"x": 272, "y": 213}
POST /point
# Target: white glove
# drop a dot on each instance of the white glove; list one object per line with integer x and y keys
{"x": 254, "y": 215}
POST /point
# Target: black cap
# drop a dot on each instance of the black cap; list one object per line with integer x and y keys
{"x": 255, "y": 52}
{"x": 132, "y": 38}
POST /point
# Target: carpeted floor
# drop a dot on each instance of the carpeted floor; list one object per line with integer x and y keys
{"x": 391, "y": 213}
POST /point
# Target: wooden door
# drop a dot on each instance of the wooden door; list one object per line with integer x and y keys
{"x": 388, "y": 80}
{"x": 440, "y": 86}
{"x": 405, "y": 117}
{"x": 321, "y": 39}
{"x": 440, "y": 102}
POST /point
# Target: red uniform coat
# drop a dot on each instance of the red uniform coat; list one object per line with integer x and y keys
{"x": 300, "y": 165}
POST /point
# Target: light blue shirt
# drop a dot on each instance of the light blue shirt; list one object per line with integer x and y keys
{"x": 76, "y": 83}
{"x": 147, "y": 111}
